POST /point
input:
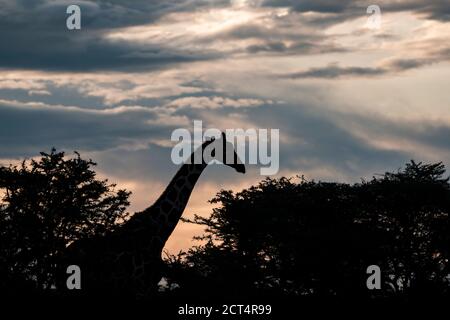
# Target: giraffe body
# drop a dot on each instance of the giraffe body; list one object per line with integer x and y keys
{"x": 127, "y": 262}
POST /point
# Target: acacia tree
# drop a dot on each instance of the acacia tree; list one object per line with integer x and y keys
{"x": 411, "y": 208}
{"x": 46, "y": 204}
{"x": 283, "y": 237}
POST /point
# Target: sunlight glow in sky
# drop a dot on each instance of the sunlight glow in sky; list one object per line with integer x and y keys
{"x": 349, "y": 101}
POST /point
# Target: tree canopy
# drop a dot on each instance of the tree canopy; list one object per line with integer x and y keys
{"x": 46, "y": 204}
{"x": 283, "y": 237}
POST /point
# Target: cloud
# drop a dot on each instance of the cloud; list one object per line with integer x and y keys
{"x": 420, "y": 53}
{"x": 268, "y": 32}
{"x": 403, "y": 64}
{"x": 214, "y": 102}
{"x": 351, "y": 145}
{"x": 39, "y": 92}
{"x": 12, "y": 84}
{"x": 102, "y": 90}
{"x": 313, "y": 139}
{"x": 38, "y": 29}
{"x": 414, "y": 136}
{"x": 316, "y": 6}
{"x": 335, "y": 71}
{"x": 90, "y": 54}
{"x": 34, "y": 36}
{"x": 432, "y": 9}
{"x": 158, "y": 35}
{"x": 309, "y": 140}
{"x": 302, "y": 47}
{"x": 326, "y": 12}
{"x": 152, "y": 86}
{"x": 26, "y": 128}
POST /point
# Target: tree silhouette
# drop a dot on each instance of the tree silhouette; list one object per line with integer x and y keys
{"x": 282, "y": 238}
{"x": 47, "y": 204}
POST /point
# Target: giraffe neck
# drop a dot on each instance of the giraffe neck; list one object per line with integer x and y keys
{"x": 169, "y": 207}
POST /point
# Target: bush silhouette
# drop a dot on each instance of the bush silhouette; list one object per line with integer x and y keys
{"x": 282, "y": 238}
{"x": 47, "y": 204}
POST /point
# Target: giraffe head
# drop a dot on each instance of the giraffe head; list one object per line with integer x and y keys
{"x": 224, "y": 152}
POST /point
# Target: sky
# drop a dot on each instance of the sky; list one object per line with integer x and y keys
{"x": 350, "y": 99}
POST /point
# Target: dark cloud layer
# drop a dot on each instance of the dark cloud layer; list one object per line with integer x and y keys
{"x": 391, "y": 66}
{"x": 333, "y": 11}
{"x": 323, "y": 6}
{"x": 33, "y": 35}
{"x": 29, "y": 128}
{"x": 334, "y": 71}
{"x": 431, "y": 9}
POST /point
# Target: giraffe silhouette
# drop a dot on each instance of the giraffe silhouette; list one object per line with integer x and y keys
{"x": 127, "y": 262}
